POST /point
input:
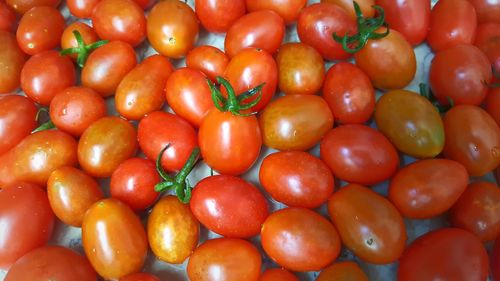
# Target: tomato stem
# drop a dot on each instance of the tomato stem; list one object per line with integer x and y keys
{"x": 234, "y": 104}
{"x": 45, "y": 126}
{"x": 426, "y": 92}
{"x": 82, "y": 51}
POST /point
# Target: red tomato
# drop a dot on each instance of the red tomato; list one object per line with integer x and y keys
{"x": 12, "y": 59}
{"x": 343, "y": 271}
{"x": 219, "y": 15}
{"x": 289, "y": 10}
{"x": 209, "y": 60}
{"x": 21, "y": 203}
{"x": 446, "y": 254}
{"x": 365, "y": 5}
{"x": 68, "y": 39}
{"x": 262, "y": 29}
{"x": 22, "y": 6}
{"x": 488, "y": 40}
{"x": 51, "y": 263}
{"x": 7, "y": 17}
{"x": 495, "y": 260}
{"x": 493, "y": 104}
{"x": 487, "y": 10}
{"x": 349, "y": 93}
{"x": 82, "y": 8}
{"x": 369, "y": 225}
{"x": 17, "y": 120}
{"x": 318, "y": 22}
{"x": 141, "y": 276}
{"x": 276, "y": 274}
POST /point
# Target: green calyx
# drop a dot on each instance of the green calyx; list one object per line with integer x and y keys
{"x": 426, "y": 92}
{"x": 45, "y": 126}
{"x": 82, "y": 51}
{"x": 367, "y": 28}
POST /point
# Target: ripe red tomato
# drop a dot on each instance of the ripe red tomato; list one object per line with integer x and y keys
{"x": 446, "y": 254}
{"x": 349, "y": 93}
{"x": 289, "y": 10}
{"x": 22, "y": 6}
{"x": 377, "y": 234}
{"x": 275, "y": 274}
{"x": 209, "y": 60}
{"x": 493, "y": 104}
{"x": 17, "y": 120}
{"x": 82, "y": 8}
{"x": 7, "y": 17}
{"x": 488, "y": 40}
{"x": 366, "y": 7}
{"x": 141, "y": 276}
{"x": 343, "y": 271}
{"x": 219, "y": 15}
{"x": 21, "y": 203}
{"x": 318, "y": 22}
{"x": 68, "y": 39}
{"x": 495, "y": 260}
{"x": 13, "y": 60}
{"x": 487, "y": 11}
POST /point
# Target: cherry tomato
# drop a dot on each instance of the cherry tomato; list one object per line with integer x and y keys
{"x": 493, "y": 104}
{"x": 51, "y": 263}
{"x": 301, "y": 69}
{"x": 446, "y": 254}
{"x": 240, "y": 207}
{"x": 133, "y": 183}
{"x": 17, "y": 120}
{"x": 488, "y": 40}
{"x": 486, "y": 10}
{"x": 159, "y": 129}
{"x": 366, "y": 7}
{"x": 173, "y": 231}
{"x": 7, "y": 17}
{"x": 224, "y": 254}
{"x": 21, "y": 203}
{"x": 209, "y": 60}
{"x": 12, "y": 59}
{"x": 172, "y": 28}
{"x": 378, "y": 235}
{"x": 349, "y": 93}
{"x": 105, "y": 144}
{"x": 288, "y": 9}
{"x": 318, "y": 22}
{"x": 278, "y": 274}
{"x": 36, "y": 156}
{"x": 82, "y": 8}
{"x": 22, "y": 6}
{"x": 495, "y": 260}
{"x": 219, "y": 15}
{"x": 297, "y": 179}
{"x": 295, "y": 122}
{"x": 472, "y": 139}
{"x": 141, "y": 276}
{"x": 68, "y": 39}
{"x": 343, "y": 271}
{"x": 142, "y": 90}
{"x": 114, "y": 239}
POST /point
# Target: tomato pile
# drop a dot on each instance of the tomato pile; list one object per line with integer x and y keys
{"x": 301, "y": 169}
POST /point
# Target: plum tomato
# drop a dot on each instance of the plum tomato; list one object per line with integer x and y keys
{"x": 487, "y": 11}
{"x": 219, "y": 15}
{"x": 275, "y": 274}
{"x": 8, "y": 17}
{"x": 68, "y": 39}
{"x": 288, "y": 9}
{"x": 141, "y": 276}
{"x": 17, "y": 120}
{"x": 488, "y": 40}
{"x": 343, "y": 271}
{"x": 82, "y": 8}
{"x": 366, "y": 7}
{"x": 13, "y": 59}
{"x": 22, "y": 6}
{"x": 209, "y": 60}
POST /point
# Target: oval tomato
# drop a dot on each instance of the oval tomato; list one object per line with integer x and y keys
{"x": 493, "y": 104}
{"x": 68, "y": 39}
{"x": 82, "y": 8}
{"x": 278, "y": 274}
{"x": 219, "y": 15}
{"x": 22, "y": 6}
{"x": 17, "y": 120}
{"x": 209, "y": 60}
{"x": 12, "y": 59}
{"x": 343, "y": 271}
{"x": 488, "y": 40}
{"x": 289, "y": 9}
{"x": 7, "y": 17}
{"x": 486, "y": 10}
{"x": 141, "y": 276}
{"x": 366, "y": 7}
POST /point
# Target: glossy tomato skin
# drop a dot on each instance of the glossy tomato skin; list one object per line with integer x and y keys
{"x": 366, "y": 7}
{"x": 343, "y": 271}
{"x": 301, "y": 69}
{"x": 68, "y": 39}
{"x": 289, "y": 10}
{"x": 297, "y": 179}
{"x": 349, "y": 93}
{"x": 105, "y": 144}
{"x": 141, "y": 276}
{"x": 133, "y": 183}
{"x": 277, "y": 274}
{"x": 209, "y": 60}
{"x": 495, "y": 260}
{"x": 223, "y": 254}
{"x": 172, "y": 28}
{"x": 262, "y": 29}
{"x": 158, "y": 129}
{"x": 13, "y": 59}
{"x": 7, "y": 17}
{"x": 19, "y": 237}
{"x": 428, "y": 188}
{"x": 218, "y": 16}
{"x": 17, "y": 120}
{"x": 296, "y": 122}
{"x": 173, "y": 231}
{"x": 23, "y": 6}
{"x": 488, "y": 40}
{"x": 487, "y": 11}
{"x": 142, "y": 90}
{"x": 82, "y": 8}
{"x": 379, "y": 234}
{"x": 493, "y": 104}
{"x": 465, "y": 256}
{"x": 317, "y": 23}
{"x": 114, "y": 239}
{"x": 241, "y": 207}
{"x": 472, "y": 139}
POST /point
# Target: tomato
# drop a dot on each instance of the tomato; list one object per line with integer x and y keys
{"x": 296, "y": 178}
{"x": 229, "y": 206}
{"x": 295, "y": 122}
{"x": 105, "y": 144}
{"x": 159, "y": 129}
{"x": 36, "y": 156}
{"x": 223, "y": 254}
{"x": 114, "y": 239}
{"x": 486, "y": 10}
{"x": 493, "y": 104}
{"x": 12, "y": 59}
{"x": 188, "y": 94}
{"x": 318, "y": 22}
{"x": 366, "y": 7}
{"x": 133, "y": 183}
{"x": 349, "y": 93}
{"x": 51, "y": 263}
{"x": 453, "y": 22}
{"x": 472, "y": 139}
{"x": 275, "y": 274}
{"x": 141, "y": 276}
{"x": 219, "y": 15}
{"x": 119, "y": 20}
{"x": 378, "y": 236}
{"x": 142, "y": 90}
{"x": 82, "y": 8}
{"x": 288, "y": 9}
{"x": 7, "y": 17}
{"x": 301, "y": 69}
{"x": 68, "y": 39}
{"x": 17, "y": 120}
{"x": 446, "y": 254}
{"x": 495, "y": 260}
{"x": 107, "y": 66}
{"x": 209, "y": 60}
{"x": 22, "y": 6}
{"x": 172, "y": 28}
{"x": 21, "y": 203}
{"x": 343, "y": 271}
{"x": 488, "y": 40}
{"x": 173, "y": 231}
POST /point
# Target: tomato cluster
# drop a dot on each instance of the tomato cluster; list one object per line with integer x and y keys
{"x": 89, "y": 110}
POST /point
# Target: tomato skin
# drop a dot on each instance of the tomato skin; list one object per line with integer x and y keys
{"x": 133, "y": 183}
{"x": 82, "y": 8}
{"x": 297, "y": 179}
{"x": 17, "y": 120}
{"x": 428, "y": 188}
{"x": 172, "y": 28}
{"x": 114, "y": 239}
{"x": 68, "y": 39}
{"x": 317, "y": 23}
{"x": 296, "y": 122}
{"x": 241, "y": 208}
{"x": 379, "y": 234}
{"x": 343, "y": 271}
{"x": 223, "y": 254}
{"x": 141, "y": 276}
{"x": 20, "y": 237}
{"x": 365, "y": 5}
{"x": 472, "y": 139}
{"x": 349, "y": 93}
{"x": 99, "y": 154}
{"x": 23, "y": 6}
{"x": 301, "y": 69}
{"x": 465, "y": 256}
{"x": 217, "y": 16}
{"x": 493, "y": 104}
{"x": 173, "y": 231}
{"x": 158, "y": 129}
{"x": 7, "y": 17}
{"x": 12, "y": 59}
{"x": 487, "y": 11}
{"x": 209, "y": 60}
{"x": 289, "y": 10}
{"x": 277, "y": 274}
{"x": 488, "y": 40}
{"x": 495, "y": 260}
{"x": 142, "y": 90}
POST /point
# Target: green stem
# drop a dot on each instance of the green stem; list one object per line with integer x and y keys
{"x": 234, "y": 104}
{"x": 45, "y": 126}
{"x": 426, "y": 92}
{"x": 82, "y": 50}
